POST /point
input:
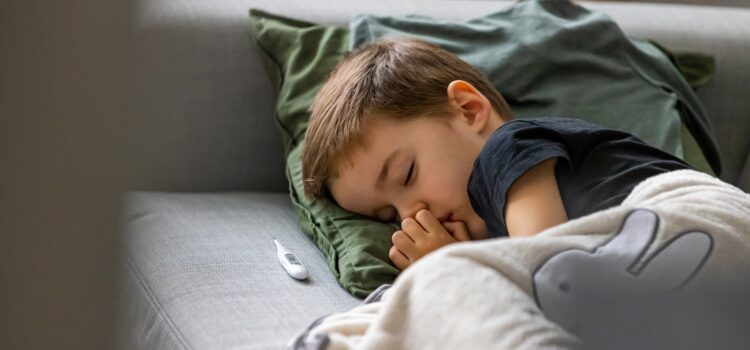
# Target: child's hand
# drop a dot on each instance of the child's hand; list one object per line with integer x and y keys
{"x": 419, "y": 237}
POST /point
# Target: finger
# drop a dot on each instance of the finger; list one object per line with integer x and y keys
{"x": 637, "y": 232}
{"x": 402, "y": 241}
{"x": 412, "y": 228}
{"x": 398, "y": 258}
{"x": 458, "y": 230}
{"x": 428, "y": 221}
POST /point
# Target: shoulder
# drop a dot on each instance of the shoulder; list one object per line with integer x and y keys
{"x": 519, "y": 144}
{"x": 521, "y": 134}
{"x": 556, "y": 124}
{"x": 551, "y": 131}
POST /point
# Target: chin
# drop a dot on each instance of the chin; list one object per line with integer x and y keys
{"x": 477, "y": 230}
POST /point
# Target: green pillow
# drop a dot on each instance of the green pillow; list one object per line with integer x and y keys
{"x": 298, "y": 56}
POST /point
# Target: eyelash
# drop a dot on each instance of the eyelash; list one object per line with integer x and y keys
{"x": 409, "y": 174}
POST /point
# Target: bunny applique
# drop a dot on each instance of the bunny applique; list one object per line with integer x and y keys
{"x": 617, "y": 297}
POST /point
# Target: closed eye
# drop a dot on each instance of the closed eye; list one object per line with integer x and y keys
{"x": 409, "y": 173}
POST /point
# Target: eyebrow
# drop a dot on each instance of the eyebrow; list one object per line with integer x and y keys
{"x": 384, "y": 170}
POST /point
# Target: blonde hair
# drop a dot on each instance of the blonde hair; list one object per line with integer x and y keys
{"x": 399, "y": 78}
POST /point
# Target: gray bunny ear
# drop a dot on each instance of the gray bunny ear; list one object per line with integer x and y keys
{"x": 636, "y": 233}
{"x": 677, "y": 262}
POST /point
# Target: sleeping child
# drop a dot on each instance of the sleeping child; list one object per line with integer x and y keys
{"x": 404, "y": 131}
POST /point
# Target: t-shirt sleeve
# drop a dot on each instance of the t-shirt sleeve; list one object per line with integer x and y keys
{"x": 511, "y": 151}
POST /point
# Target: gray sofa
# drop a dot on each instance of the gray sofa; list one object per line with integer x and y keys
{"x": 198, "y": 264}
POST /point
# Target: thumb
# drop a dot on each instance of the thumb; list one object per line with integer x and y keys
{"x": 458, "y": 230}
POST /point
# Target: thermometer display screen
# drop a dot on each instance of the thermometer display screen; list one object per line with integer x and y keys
{"x": 292, "y": 259}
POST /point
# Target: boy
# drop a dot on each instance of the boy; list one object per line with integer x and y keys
{"x": 405, "y": 131}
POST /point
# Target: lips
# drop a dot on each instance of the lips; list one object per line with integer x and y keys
{"x": 444, "y": 218}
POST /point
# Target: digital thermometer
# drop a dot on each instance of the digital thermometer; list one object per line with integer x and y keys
{"x": 289, "y": 261}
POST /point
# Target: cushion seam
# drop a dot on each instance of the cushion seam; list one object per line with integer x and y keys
{"x": 154, "y": 302}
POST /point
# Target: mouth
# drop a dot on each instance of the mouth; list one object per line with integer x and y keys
{"x": 444, "y": 218}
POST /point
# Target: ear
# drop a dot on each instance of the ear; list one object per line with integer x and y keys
{"x": 473, "y": 106}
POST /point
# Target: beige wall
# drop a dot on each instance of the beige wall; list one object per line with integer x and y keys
{"x": 62, "y": 128}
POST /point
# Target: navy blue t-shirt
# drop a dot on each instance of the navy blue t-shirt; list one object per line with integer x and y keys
{"x": 596, "y": 167}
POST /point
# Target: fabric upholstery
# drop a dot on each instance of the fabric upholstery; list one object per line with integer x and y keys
{"x": 201, "y": 272}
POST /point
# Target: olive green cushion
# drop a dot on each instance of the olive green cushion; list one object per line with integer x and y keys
{"x": 298, "y": 56}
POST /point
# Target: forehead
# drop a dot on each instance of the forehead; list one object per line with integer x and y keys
{"x": 380, "y": 139}
{"x": 383, "y": 136}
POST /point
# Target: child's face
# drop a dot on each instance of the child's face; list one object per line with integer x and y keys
{"x": 429, "y": 161}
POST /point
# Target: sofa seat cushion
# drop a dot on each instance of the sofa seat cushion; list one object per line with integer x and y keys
{"x": 201, "y": 272}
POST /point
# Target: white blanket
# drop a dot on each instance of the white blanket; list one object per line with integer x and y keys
{"x": 480, "y": 295}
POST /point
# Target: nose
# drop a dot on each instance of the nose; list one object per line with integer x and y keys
{"x": 410, "y": 210}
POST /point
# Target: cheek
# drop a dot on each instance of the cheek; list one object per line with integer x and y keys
{"x": 457, "y": 178}
{"x": 446, "y": 184}
{"x": 354, "y": 196}
{"x": 445, "y": 176}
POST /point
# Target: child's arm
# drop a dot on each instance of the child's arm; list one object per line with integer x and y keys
{"x": 533, "y": 202}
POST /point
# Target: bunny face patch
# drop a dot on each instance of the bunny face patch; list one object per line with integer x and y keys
{"x": 583, "y": 291}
